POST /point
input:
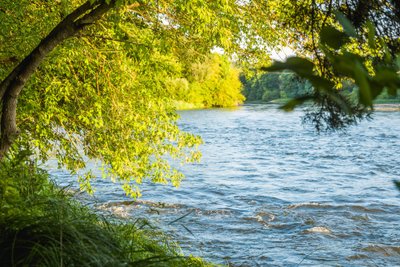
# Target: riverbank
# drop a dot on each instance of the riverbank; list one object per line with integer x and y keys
{"x": 182, "y": 105}
{"x": 387, "y": 107}
{"x": 44, "y": 225}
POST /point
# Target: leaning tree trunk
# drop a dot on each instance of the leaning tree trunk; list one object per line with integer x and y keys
{"x": 12, "y": 85}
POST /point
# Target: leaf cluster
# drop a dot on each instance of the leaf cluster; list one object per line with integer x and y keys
{"x": 343, "y": 63}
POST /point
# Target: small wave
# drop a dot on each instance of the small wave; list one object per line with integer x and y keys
{"x": 357, "y": 257}
{"x": 141, "y": 202}
{"x": 356, "y": 208}
{"x": 265, "y": 216}
{"x": 285, "y": 226}
{"x": 116, "y": 204}
{"x": 360, "y": 218}
{"x": 123, "y": 209}
{"x": 217, "y": 212}
{"x": 388, "y": 251}
{"x": 365, "y": 209}
{"x": 318, "y": 229}
{"x": 308, "y": 205}
{"x": 119, "y": 211}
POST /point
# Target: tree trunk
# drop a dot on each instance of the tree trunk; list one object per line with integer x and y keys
{"x": 12, "y": 85}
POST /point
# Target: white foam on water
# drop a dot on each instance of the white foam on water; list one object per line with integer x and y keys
{"x": 319, "y": 229}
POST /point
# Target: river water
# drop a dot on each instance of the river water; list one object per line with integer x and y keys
{"x": 272, "y": 192}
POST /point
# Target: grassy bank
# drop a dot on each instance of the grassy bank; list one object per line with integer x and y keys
{"x": 42, "y": 225}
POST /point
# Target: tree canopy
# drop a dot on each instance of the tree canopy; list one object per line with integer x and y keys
{"x": 93, "y": 79}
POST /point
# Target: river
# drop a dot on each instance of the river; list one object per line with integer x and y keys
{"x": 270, "y": 191}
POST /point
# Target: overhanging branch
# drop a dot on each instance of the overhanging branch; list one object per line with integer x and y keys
{"x": 12, "y": 85}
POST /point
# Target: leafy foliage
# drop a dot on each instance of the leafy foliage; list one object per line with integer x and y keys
{"x": 301, "y": 22}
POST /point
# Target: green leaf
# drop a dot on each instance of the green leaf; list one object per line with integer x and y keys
{"x": 301, "y": 66}
{"x": 332, "y": 37}
{"x": 387, "y": 55}
{"x": 320, "y": 82}
{"x": 291, "y": 104}
{"x": 345, "y": 64}
{"x": 387, "y": 76}
{"x": 371, "y": 35}
{"x": 346, "y": 24}
{"x": 361, "y": 79}
{"x": 376, "y": 88}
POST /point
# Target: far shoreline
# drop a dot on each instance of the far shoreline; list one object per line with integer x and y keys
{"x": 387, "y": 107}
{"x": 379, "y": 105}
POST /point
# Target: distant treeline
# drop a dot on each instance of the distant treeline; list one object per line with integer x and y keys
{"x": 272, "y": 86}
{"x": 284, "y": 85}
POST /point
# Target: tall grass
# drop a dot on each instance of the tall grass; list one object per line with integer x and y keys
{"x": 41, "y": 225}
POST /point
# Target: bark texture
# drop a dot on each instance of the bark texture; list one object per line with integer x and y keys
{"x": 13, "y": 84}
